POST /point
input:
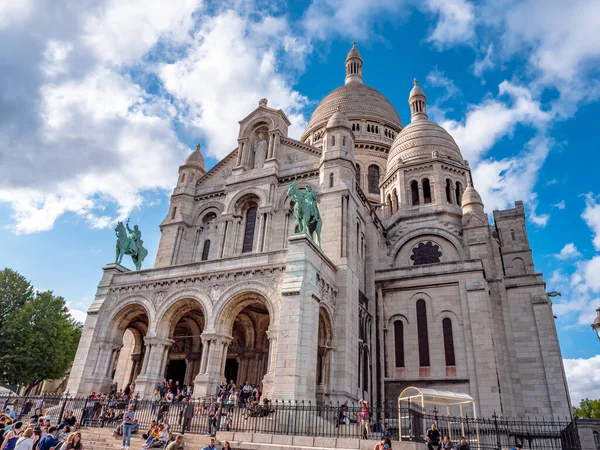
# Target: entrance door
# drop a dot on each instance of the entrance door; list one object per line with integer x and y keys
{"x": 231, "y": 370}
{"x": 176, "y": 370}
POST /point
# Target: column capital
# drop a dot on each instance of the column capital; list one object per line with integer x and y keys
{"x": 272, "y": 334}
{"x": 216, "y": 337}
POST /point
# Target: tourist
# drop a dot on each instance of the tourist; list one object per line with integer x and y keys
{"x": 25, "y": 442}
{"x": 26, "y": 409}
{"x": 343, "y": 414}
{"x": 517, "y": 447}
{"x": 363, "y": 416}
{"x": 464, "y": 445}
{"x": 433, "y": 438}
{"x": 66, "y": 432}
{"x": 176, "y": 444}
{"x": 228, "y": 422}
{"x": 73, "y": 442}
{"x": 128, "y": 422}
{"x": 382, "y": 443}
{"x": 446, "y": 444}
{"x": 70, "y": 421}
{"x": 188, "y": 415}
{"x": 226, "y": 445}
{"x": 12, "y": 436}
{"x": 48, "y": 440}
{"x": 37, "y": 435}
{"x": 211, "y": 445}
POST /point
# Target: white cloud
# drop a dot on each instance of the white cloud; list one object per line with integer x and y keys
{"x": 560, "y": 205}
{"x": 455, "y": 23}
{"x": 78, "y": 315}
{"x": 122, "y": 32}
{"x": 484, "y": 63}
{"x": 437, "y": 78}
{"x": 591, "y": 215}
{"x": 569, "y": 251}
{"x": 14, "y": 11}
{"x": 244, "y": 56}
{"x": 494, "y": 118}
{"x": 583, "y": 376}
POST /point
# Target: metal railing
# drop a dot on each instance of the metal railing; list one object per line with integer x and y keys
{"x": 408, "y": 423}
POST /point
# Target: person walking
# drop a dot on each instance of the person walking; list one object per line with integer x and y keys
{"x": 128, "y": 422}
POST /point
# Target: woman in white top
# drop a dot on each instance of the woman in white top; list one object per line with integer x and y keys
{"x": 25, "y": 442}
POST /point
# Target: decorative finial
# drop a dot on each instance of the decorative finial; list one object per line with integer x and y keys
{"x": 415, "y": 82}
{"x": 262, "y": 102}
{"x": 198, "y": 147}
{"x": 353, "y": 44}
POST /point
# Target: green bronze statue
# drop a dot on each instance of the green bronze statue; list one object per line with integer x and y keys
{"x": 130, "y": 245}
{"x": 306, "y": 211}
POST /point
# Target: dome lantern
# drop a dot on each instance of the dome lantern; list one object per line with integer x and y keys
{"x": 471, "y": 201}
{"x": 417, "y": 102}
{"x": 354, "y": 64}
{"x": 195, "y": 159}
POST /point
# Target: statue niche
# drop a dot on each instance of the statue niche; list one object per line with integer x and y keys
{"x": 259, "y": 148}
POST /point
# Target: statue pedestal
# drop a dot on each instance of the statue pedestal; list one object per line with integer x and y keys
{"x": 297, "y": 342}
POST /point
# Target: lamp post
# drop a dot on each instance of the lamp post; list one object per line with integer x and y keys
{"x": 596, "y": 324}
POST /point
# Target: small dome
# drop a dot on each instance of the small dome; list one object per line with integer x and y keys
{"x": 416, "y": 90}
{"x": 421, "y": 140}
{"x": 195, "y": 159}
{"x": 353, "y": 53}
{"x": 471, "y": 196}
{"x": 339, "y": 119}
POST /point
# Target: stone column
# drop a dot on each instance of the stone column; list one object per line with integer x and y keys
{"x": 276, "y": 143}
{"x": 240, "y": 153}
{"x": 136, "y": 359}
{"x": 269, "y": 378}
{"x": 154, "y": 364}
{"x": 259, "y": 233}
{"x": 211, "y": 373}
{"x": 271, "y": 142}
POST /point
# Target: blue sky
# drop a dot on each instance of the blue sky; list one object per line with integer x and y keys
{"x": 100, "y": 105}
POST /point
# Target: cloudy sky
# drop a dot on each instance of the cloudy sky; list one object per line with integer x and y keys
{"x": 101, "y": 100}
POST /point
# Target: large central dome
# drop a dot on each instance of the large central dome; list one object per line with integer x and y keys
{"x": 356, "y": 100}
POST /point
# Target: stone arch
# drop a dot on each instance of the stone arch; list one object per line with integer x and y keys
{"x": 446, "y": 313}
{"x": 214, "y": 206}
{"x": 128, "y": 308}
{"x": 396, "y": 317}
{"x": 518, "y": 266}
{"x": 424, "y": 232}
{"x": 248, "y": 128}
{"x": 262, "y": 196}
{"x": 175, "y": 304}
{"x": 235, "y": 299}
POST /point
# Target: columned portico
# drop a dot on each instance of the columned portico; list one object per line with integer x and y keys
{"x": 153, "y": 370}
{"x": 212, "y": 364}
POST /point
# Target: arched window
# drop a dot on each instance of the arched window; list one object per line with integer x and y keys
{"x": 249, "y": 230}
{"x": 332, "y": 140}
{"x": 373, "y": 179}
{"x": 414, "y": 193}
{"x": 353, "y": 127}
{"x": 395, "y": 200}
{"x": 422, "y": 335}
{"x": 512, "y": 235}
{"x": 596, "y": 439}
{"x": 459, "y": 192}
{"x": 357, "y": 235}
{"x": 426, "y": 191}
{"x": 182, "y": 177}
{"x": 358, "y": 175}
{"x": 331, "y": 180}
{"x": 174, "y": 212}
{"x": 448, "y": 342}
{"x": 377, "y": 129}
{"x": 205, "y": 250}
{"x": 358, "y": 127}
{"x": 365, "y": 368}
{"x": 368, "y": 128}
{"x": 389, "y": 204}
{"x": 399, "y": 342}
{"x": 448, "y": 190}
{"x": 343, "y": 140}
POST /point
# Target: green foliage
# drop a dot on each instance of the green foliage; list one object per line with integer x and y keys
{"x": 38, "y": 335}
{"x": 588, "y": 409}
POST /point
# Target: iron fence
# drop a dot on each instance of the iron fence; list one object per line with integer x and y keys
{"x": 408, "y": 423}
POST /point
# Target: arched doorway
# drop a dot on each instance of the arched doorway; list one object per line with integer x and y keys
{"x": 183, "y": 359}
{"x": 324, "y": 354}
{"x": 247, "y": 321}
{"x": 129, "y": 327}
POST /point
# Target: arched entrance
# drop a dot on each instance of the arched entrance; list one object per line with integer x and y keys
{"x": 324, "y": 354}
{"x": 184, "y": 355}
{"x": 245, "y": 318}
{"x": 129, "y": 328}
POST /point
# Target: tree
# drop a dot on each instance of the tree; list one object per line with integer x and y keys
{"x": 588, "y": 409}
{"x": 38, "y": 335}
{"x": 15, "y": 290}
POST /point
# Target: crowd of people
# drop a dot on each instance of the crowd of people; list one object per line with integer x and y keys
{"x": 30, "y": 427}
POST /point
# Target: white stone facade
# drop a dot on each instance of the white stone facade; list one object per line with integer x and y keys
{"x": 412, "y": 285}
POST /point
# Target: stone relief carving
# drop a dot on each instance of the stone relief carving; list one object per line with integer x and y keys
{"x": 226, "y": 172}
{"x": 327, "y": 292}
{"x": 291, "y": 158}
{"x": 426, "y": 253}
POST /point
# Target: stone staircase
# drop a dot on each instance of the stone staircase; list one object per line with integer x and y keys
{"x": 103, "y": 439}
